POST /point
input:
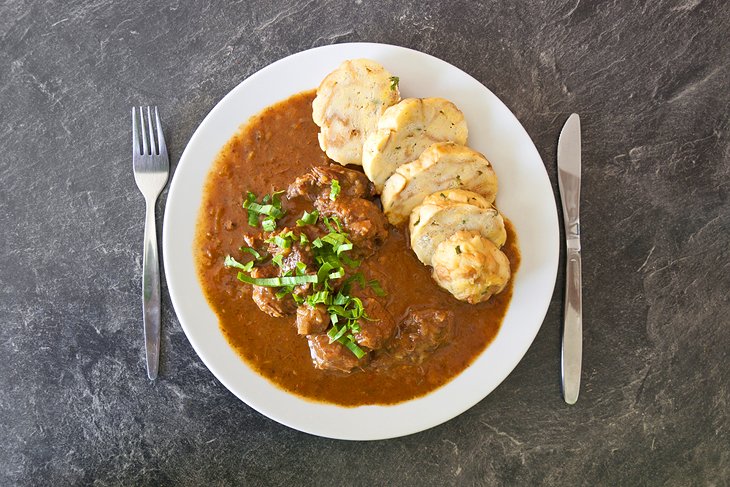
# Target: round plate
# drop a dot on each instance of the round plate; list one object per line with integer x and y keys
{"x": 525, "y": 197}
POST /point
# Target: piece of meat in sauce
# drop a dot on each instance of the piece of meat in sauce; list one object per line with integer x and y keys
{"x": 333, "y": 356}
{"x": 378, "y": 329}
{"x": 318, "y": 183}
{"x": 265, "y": 297}
{"x": 294, "y": 254}
{"x": 421, "y": 333}
{"x": 312, "y": 320}
{"x": 362, "y": 219}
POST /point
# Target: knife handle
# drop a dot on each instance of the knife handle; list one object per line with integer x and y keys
{"x": 572, "y": 346}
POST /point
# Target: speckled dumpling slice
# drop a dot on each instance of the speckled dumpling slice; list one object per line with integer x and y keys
{"x": 470, "y": 267}
{"x": 442, "y": 166}
{"x": 448, "y": 197}
{"x": 431, "y": 224}
{"x": 349, "y": 102}
{"x": 407, "y": 129}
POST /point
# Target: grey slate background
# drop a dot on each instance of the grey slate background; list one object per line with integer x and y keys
{"x": 651, "y": 80}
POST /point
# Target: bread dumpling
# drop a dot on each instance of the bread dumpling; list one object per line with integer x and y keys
{"x": 349, "y": 102}
{"x": 450, "y": 196}
{"x": 407, "y": 129}
{"x": 470, "y": 267}
{"x": 442, "y": 166}
{"x": 431, "y": 224}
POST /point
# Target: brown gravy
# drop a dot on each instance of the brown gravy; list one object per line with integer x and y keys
{"x": 269, "y": 152}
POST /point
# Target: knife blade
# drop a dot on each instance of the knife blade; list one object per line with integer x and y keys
{"x": 569, "y": 184}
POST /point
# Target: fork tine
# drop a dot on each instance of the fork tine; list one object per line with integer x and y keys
{"x": 160, "y": 135}
{"x": 153, "y": 146}
{"x": 145, "y": 147}
{"x": 135, "y": 135}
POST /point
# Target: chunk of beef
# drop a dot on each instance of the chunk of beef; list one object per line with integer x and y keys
{"x": 294, "y": 254}
{"x": 318, "y": 183}
{"x": 376, "y": 331}
{"x": 421, "y": 333}
{"x": 312, "y": 320}
{"x": 362, "y": 219}
{"x": 333, "y": 356}
{"x": 265, "y": 297}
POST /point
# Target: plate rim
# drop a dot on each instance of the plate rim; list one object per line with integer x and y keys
{"x": 176, "y": 299}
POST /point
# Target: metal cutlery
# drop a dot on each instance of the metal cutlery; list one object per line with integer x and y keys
{"x": 569, "y": 183}
{"x": 151, "y": 169}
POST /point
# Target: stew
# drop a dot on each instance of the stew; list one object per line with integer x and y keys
{"x": 268, "y": 154}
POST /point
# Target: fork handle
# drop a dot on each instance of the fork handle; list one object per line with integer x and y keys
{"x": 151, "y": 291}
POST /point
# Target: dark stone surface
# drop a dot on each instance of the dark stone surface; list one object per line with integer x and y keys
{"x": 651, "y": 80}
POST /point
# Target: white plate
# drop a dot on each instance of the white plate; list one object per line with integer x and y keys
{"x": 525, "y": 197}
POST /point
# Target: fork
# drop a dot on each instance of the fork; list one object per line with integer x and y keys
{"x": 151, "y": 169}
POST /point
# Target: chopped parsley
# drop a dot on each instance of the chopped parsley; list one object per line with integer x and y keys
{"x": 277, "y": 281}
{"x": 334, "y": 189}
{"x": 231, "y": 262}
{"x": 258, "y": 257}
{"x": 308, "y": 218}
{"x": 326, "y": 278}
{"x": 256, "y": 254}
{"x": 394, "y": 80}
{"x": 283, "y": 241}
{"x": 377, "y": 289}
{"x": 359, "y": 278}
{"x": 269, "y": 208}
{"x": 278, "y": 259}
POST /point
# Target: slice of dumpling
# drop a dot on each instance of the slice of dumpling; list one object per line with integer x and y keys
{"x": 450, "y": 196}
{"x": 407, "y": 129}
{"x": 431, "y": 224}
{"x": 442, "y": 166}
{"x": 349, "y": 102}
{"x": 470, "y": 267}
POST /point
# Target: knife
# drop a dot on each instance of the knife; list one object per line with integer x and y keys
{"x": 569, "y": 184}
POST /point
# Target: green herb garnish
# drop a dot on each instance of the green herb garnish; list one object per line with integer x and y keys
{"x": 326, "y": 275}
{"x": 334, "y": 189}
{"x": 278, "y": 259}
{"x": 283, "y": 241}
{"x": 268, "y": 224}
{"x": 349, "y": 342}
{"x": 256, "y": 254}
{"x": 231, "y": 262}
{"x": 394, "y": 80}
{"x": 359, "y": 278}
{"x": 377, "y": 289}
{"x": 336, "y": 228}
{"x": 277, "y": 281}
{"x": 308, "y": 218}
{"x": 270, "y": 208}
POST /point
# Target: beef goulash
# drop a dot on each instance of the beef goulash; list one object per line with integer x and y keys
{"x": 314, "y": 287}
